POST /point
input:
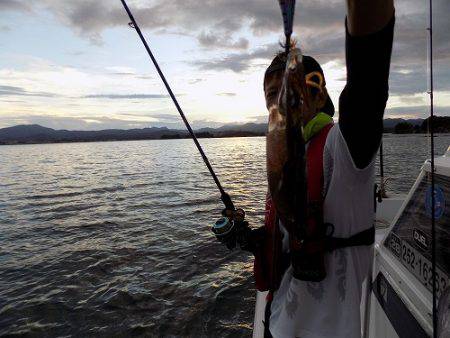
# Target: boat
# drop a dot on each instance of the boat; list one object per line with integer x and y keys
{"x": 399, "y": 298}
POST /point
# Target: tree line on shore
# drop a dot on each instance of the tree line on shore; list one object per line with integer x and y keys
{"x": 441, "y": 124}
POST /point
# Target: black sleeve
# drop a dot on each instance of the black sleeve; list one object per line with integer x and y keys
{"x": 363, "y": 100}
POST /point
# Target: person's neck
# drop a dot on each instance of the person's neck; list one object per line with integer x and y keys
{"x": 310, "y": 117}
{"x": 315, "y": 125}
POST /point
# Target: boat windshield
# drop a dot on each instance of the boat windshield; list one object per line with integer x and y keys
{"x": 410, "y": 238}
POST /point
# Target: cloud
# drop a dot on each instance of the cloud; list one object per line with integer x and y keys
{"x": 411, "y": 36}
{"x": 103, "y": 122}
{"x": 125, "y": 96}
{"x": 158, "y": 117}
{"x": 76, "y": 53}
{"x": 329, "y": 48}
{"x": 227, "y": 17}
{"x": 121, "y": 71}
{"x": 19, "y": 91}
{"x": 226, "y": 94}
{"x": 422, "y": 111}
{"x": 230, "y": 26}
{"x": 322, "y": 35}
{"x": 74, "y": 123}
{"x": 414, "y": 79}
{"x": 237, "y": 62}
{"x": 194, "y": 81}
{"x": 259, "y": 118}
{"x": 411, "y": 82}
{"x": 14, "y": 5}
{"x": 90, "y": 18}
{"x": 319, "y": 24}
{"x": 326, "y": 47}
{"x": 211, "y": 40}
{"x": 144, "y": 77}
{"x": 412, "y": 100}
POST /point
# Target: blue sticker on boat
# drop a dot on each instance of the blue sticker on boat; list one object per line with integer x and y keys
{"x": 439, "y": 200}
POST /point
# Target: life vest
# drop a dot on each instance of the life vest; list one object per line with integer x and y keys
{"x": 270, "y": 261}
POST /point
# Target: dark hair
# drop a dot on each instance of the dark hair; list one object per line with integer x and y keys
{"x": 310, "y": 64}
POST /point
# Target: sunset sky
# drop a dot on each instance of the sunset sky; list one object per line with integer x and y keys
{"x": 77, "y": 64}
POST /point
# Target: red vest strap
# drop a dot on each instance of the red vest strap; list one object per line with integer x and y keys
{"x": 314, "y": 165}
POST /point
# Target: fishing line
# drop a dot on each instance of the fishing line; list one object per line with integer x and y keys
{"x": 223, "y": 195}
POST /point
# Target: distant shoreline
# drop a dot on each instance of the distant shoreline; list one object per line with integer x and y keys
{"x": 131, "y": 139}
{"x": 186, "y": 138}
{"x": 36, "y": 134}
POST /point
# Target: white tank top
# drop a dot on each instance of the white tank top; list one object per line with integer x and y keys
{"x": 331, "y": 308}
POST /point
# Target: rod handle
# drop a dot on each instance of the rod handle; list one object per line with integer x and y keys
{"x": 226, "y": 199}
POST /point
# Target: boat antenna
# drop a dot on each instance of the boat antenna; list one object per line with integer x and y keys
{"x": 382, "y": 183}
{"x": 433, "y": 199}
{"x": 226, "y": 199}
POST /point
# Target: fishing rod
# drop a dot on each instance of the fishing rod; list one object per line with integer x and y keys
{"x": 433, "y": 198}
{"x": 287, "y": 10}
{"x": 226, "y": 199}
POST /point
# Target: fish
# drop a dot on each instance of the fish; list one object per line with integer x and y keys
{"x": 285, "y": 147}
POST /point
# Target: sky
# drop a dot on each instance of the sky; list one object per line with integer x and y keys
{"x": 78, "y": 65}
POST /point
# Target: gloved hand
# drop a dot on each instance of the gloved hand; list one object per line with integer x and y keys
{"x": 243, "y": 235}
{"x": 236, "y": 232}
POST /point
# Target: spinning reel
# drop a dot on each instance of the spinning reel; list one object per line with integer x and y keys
{"x": 232, "y": 228}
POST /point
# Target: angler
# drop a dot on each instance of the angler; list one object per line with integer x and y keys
{"x": 315, "y": 249}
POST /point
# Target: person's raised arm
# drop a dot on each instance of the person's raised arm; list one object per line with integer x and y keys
{"x": 369, "y": 35}
{"x": 368, "y": 16}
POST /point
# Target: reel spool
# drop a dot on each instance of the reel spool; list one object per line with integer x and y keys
{"x": 226, "y": 228}
{"x": 222, "y": 227}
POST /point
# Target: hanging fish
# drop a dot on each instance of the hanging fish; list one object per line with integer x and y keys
{"x": 286, "y": 160}
{"x": 286, "y": 146}
{"x": 285, "y": 143}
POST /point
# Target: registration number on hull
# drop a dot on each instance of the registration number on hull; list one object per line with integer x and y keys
{"x": 418, "y": 265}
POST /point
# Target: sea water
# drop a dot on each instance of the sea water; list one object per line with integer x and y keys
{"x": 113, "y": 238}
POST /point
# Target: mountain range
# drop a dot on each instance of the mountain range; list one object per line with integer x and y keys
{"x": 38, "y": 134}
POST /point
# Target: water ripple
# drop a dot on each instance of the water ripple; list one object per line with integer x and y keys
{"x": 113, "y": 238}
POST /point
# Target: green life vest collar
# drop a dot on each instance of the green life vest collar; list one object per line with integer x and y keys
{"x": 315, "y": 125}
